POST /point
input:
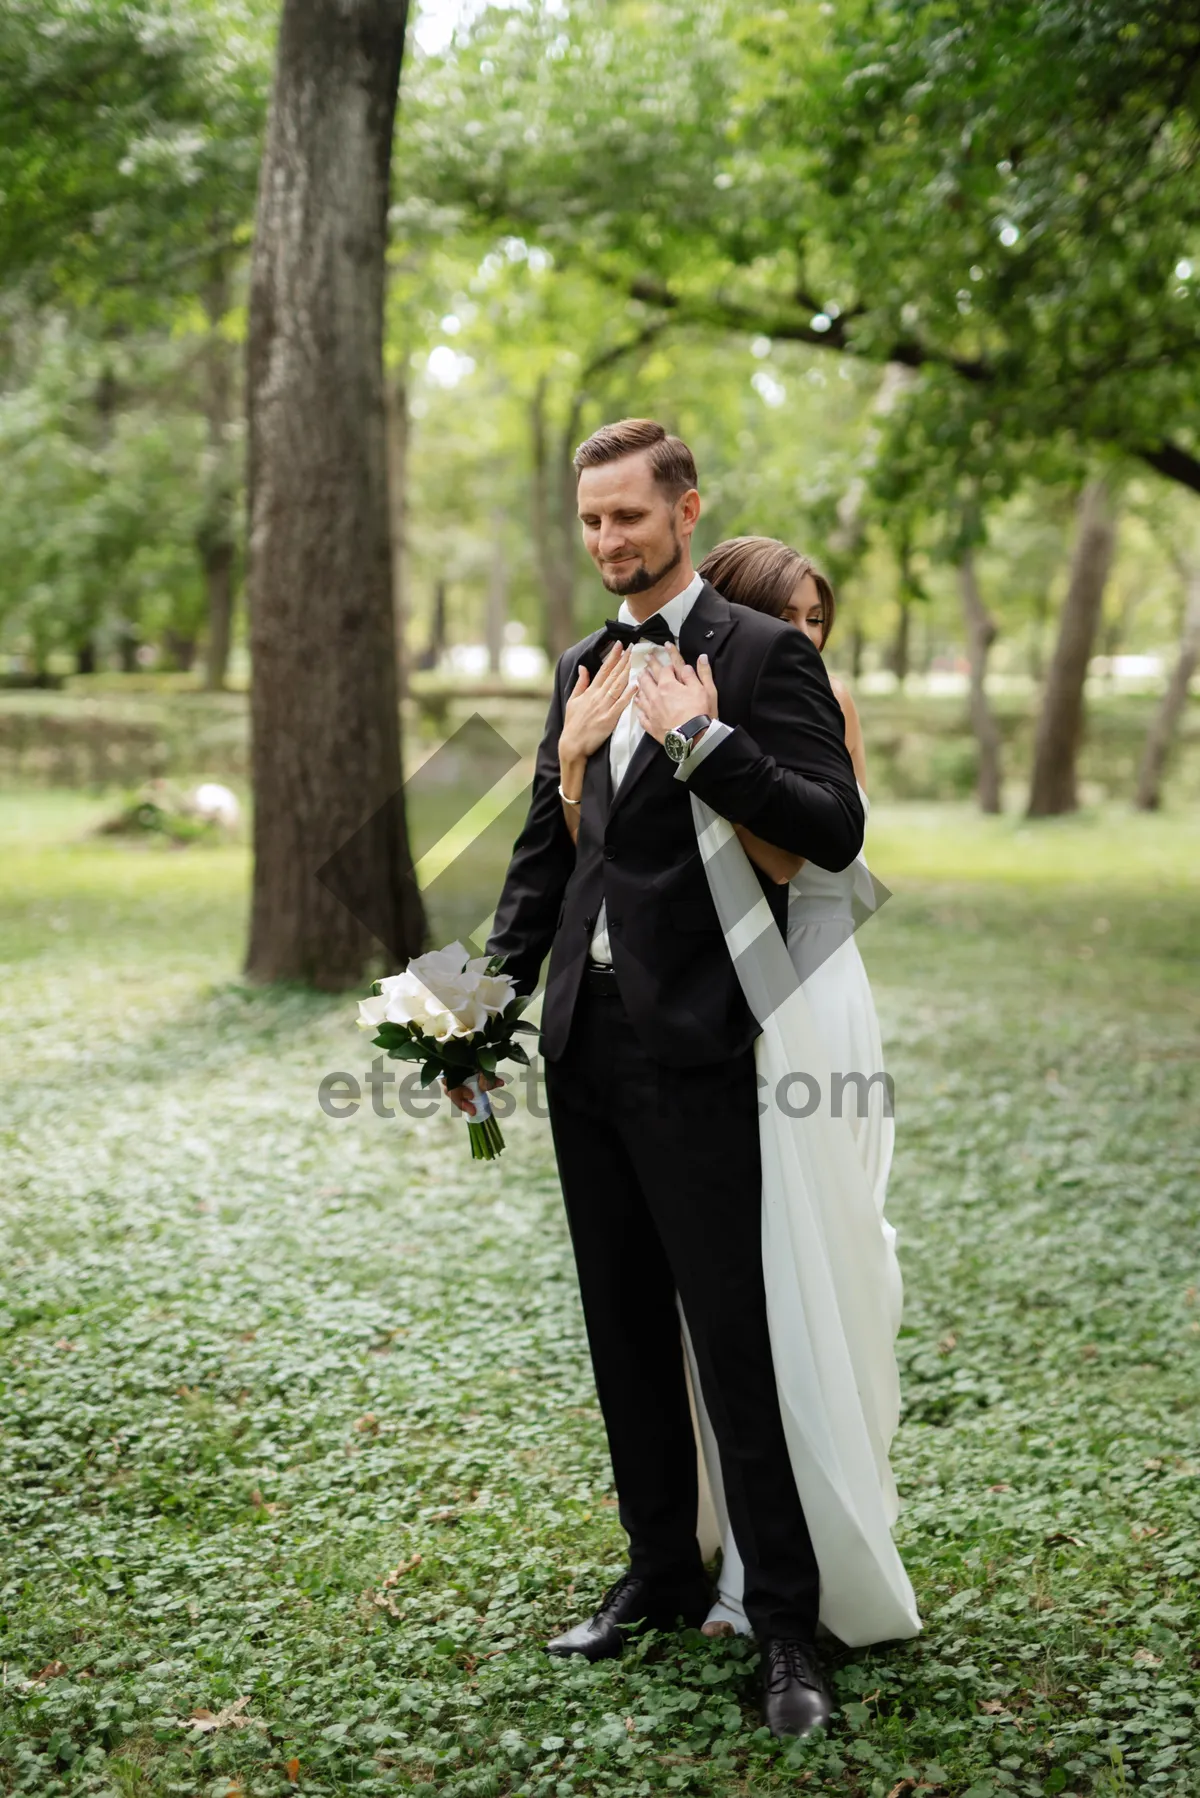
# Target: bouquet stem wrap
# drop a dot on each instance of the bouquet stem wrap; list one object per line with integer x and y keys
{"x": 484, "y": 1128}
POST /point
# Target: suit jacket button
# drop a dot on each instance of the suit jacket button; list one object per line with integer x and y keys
{"x": 588, "y": 922}
{"x": 609, "y": 852}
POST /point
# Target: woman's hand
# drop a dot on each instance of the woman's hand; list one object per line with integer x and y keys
{"x": 703, "y": 671}
{"x": 671, "y": 691}
{"x": 594, "y": 707}
{"x": 780, "y": 864}
{"x": 588, "y": 719}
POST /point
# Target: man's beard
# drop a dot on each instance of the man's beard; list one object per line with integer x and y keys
{"x": 644, "y": 578}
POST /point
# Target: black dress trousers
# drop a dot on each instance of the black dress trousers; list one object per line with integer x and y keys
{"x": 661, "y": 1179}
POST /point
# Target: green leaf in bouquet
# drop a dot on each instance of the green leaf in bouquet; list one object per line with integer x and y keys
{"x": 524, "y": 1024}
{"x": 431, "y": 1070}
{"x": 390, "y": 1034}
{"x": 516, "y": 1006}
{"x": 495, "y": 964}
{"x": 487, "y": 1059}
{"x": 376, "y": 988}
{"x": 516, "y": 1052}
{"x": 458, "y": 1049}
{"x": 403, "y": 1051}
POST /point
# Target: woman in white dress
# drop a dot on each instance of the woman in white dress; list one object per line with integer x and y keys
{"x": 824, "y": 908}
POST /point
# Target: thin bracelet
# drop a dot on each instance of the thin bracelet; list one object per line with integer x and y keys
{"x": 562, "y": 795}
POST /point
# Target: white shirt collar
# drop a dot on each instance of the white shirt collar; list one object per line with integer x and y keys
{"x": 673, "y": 610}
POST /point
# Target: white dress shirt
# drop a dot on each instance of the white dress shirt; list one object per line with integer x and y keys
{"x": 629, "y": 730}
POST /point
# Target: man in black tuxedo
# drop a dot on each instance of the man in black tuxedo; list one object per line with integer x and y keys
{"x": 648, "y": 1043}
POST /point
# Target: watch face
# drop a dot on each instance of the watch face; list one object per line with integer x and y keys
{"x": 675, "y": 745}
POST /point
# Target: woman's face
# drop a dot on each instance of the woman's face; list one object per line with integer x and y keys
{"x": 804, "y": 609}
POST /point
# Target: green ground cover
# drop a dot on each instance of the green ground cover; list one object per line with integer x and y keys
{"x": 297, "y": 1426}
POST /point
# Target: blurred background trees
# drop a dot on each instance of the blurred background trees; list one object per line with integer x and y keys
{"x": 918, "y": 283}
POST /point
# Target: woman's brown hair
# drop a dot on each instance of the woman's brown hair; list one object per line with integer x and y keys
{"x": 764, "y": 573}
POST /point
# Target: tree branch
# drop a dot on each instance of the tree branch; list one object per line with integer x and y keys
{"x": 1175, "y": 463}
{"x": 732, "y": 316}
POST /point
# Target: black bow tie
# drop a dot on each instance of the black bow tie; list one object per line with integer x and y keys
{"x": 655, "y": 629}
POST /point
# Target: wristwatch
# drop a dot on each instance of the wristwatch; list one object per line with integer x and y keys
{"x": 678, "y": 741}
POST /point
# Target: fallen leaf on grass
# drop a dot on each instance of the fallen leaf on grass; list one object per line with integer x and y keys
{"x": 1144, "y": 1655}
{"x": 231, "y": 1717}
{"x": 992, "y": 1706}
{"x": 389, "y": 1579}
{"x": 368, "y": 1423}
{"x": 948, "y": 1342}
{"x": 292, "y": 1769}
{"x": 383, "y": 1597}
{"x": 1141, "y": 1532}
{"x": 52, "y": 1670}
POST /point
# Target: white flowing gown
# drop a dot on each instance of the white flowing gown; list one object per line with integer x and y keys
{"x": 833, "y": 1284}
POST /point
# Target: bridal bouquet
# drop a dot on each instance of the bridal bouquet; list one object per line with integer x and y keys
{"x": 457, "y": 1017}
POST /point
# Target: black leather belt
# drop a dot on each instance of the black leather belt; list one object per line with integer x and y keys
{"x": 599, "y": 977}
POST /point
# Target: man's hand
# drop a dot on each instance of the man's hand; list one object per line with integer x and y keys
{"x": 463, "y": 1099}
{"x": 671, "y": 692}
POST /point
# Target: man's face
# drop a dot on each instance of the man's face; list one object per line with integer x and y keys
{"x": 632, "y": 531}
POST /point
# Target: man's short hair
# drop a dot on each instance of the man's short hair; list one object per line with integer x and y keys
{"x": 671, "y": 461}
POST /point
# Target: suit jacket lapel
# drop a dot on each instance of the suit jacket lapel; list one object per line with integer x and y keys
{"x": 705, "y": 627}
{"x": 597, "y": 783}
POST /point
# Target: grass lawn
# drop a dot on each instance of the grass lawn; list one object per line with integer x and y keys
{"x": 300, "y": 1459}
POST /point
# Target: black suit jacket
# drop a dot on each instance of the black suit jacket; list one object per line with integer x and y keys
{"x": 784, "y": 772}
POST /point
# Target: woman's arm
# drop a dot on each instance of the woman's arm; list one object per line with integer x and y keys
{"x": 777, "y": 863}
{"x": 589, "y": 716}
{"x": 854, "y": 736}
{"x": 786, "y": 772}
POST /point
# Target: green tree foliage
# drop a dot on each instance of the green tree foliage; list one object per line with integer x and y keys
{"x": 1006, "y": 194}
{"x": 129, "y": 136}
{"x": 100, "y": 504}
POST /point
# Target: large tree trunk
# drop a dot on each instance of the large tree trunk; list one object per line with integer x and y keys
{"x": 1165, "y": 723}
{"x": 216, "y": 534}
{"x": 332, "y": 865}
{"x": 981, "y": 634}
{"x": 1053, "y": 789}
{"x": 554, "y": 537}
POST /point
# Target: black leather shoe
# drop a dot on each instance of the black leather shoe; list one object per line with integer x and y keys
{"x": 796, "y": 1699}
{"x": 633, "y": 1604}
